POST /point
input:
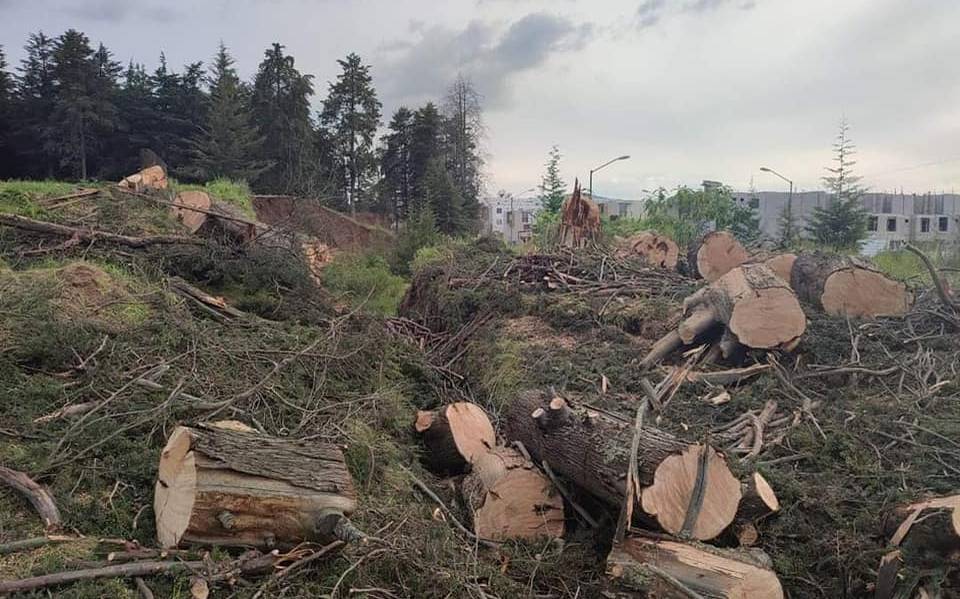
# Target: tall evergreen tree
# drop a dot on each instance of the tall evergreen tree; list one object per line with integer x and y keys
{"x": 395, "y": 164}
{"x": 553, "y": 192}
{"x": 228, "y": 145}
{"x": 843, "y": 223}
{"x": 281, "y": 109}
{"x": 426, "y": 143}
{"x": 463, "y": 114}
{"x": 442, "y": 196}
{"x": 137, "y": 121}
{"x": 35, "y": 97}
{"x": 6, "y": 119}
{"x": 351, "y": 115}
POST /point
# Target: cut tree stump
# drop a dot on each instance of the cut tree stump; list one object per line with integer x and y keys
{"x": 759, "y": 501}
{"x": 511, "y": 499}
{"x": 656, "y": 250}
{"x": 592, "y": 450}
{"x": 848, "y": 286}
{"x": 190, "y": 208}
{"x": 674, "y": 570}
{"x": 218, "y": 486}
{"x": 455, "y": 435}
{"x": 579, "y": 220}
{"x": 716, "y": 254}
{"x": 927, "y": 530}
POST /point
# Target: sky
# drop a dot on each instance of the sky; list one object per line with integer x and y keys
{"x": 690, "y": 89}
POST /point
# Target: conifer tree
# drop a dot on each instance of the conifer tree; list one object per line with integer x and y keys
{"x": 395, "y": 164}
{"x": 463, "y": 119}
{"x": 443, "y": 197}
{"x": 843, "y": 223}
{"x": 553, "y": 192}
{"x": 6, "y": 119}
{"x": 350, "y": 116}
{"x": 426, "y": 143}
{"x": 35, "y": 97}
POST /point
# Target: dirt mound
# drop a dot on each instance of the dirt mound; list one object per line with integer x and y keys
{"x": 329, "y": 226}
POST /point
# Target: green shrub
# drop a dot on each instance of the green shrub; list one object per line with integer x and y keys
{"x": 365, "y": 280}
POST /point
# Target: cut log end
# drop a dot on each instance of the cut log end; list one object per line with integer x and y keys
{"x": 455, "y": 435}
{"x": 860, "y": 292}
{"x": 193, "y": 220}
{"x": 716, "y": 254}
{"x": 656, "y": 250}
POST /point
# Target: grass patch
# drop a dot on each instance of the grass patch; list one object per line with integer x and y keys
{"x": 366, "y": 280}
{"x": 907, "y": 266}
{"x": 22, "y": 197}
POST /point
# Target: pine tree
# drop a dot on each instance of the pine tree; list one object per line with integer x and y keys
{"x": 553, "y": 192}
{"x": 463, "y": 116}
{"x": 395, "y": 164}
{"x": 351, "y": 115}
{"x": 35, "y": 97}
{"x": 6, "y": 119}
{"x": 426, "y": 144}
{"x": 443, "y": 197}
{"x": 843, "y": 223}
{"x": 137, "y": 120}
{"x": 228, "y": 144}
{"x": 281, "y": 109}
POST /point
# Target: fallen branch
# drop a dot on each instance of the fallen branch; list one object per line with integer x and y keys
{"x": 727, "y": 377}
{"x": 946, "y": 297}
{"x": 39, "y": 496}
{"x": 443, "y": 506}
{"x": 92, "y": 235}
{"x": 34, "y": 542}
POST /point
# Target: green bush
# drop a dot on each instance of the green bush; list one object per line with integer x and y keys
{"x": 365, "y": 280}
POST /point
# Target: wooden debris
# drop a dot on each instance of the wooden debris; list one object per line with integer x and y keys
{"x": 39, "y": 497}
{"x": 225, "y": 487}
{"x": 930, "y": 528}
{"x": 727, "y": 377}
{"x": 848, "y": 286}
{"x": 191, "y": 209}
{"x": 656, "y": 250}
{"x": 716, "y": 254}
{"x": 579, "y": 220}
{"x": 674, "y": 570}
{"x": 455, "y": 436}
{"x": 150, "y": 178}
{"x": 759, "y": 501}
{"x": 511, "y": 499}
{"x": 92, "y": 235}
{"x": 213, "y": 305}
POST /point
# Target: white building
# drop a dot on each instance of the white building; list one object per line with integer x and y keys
{"x": 508, "y": 217}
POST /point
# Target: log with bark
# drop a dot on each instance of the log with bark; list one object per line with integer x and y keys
{"x": 455, "y": 435}
{"x": 848, "y": 286}
{"x": 716, "y": 254}
{"x": 579, "y": 220}
{"x": 656, "y": 250}
{"x": 673, "y": 570}
{"x": 218, "y": 486}
{"x": 190, "y": 208}
{"x": 150, "y": 178}
{"x": 782, "y": 265}
{"x": 928, "y": 531}
{"x": 758, "y": 501}
{"x": 754, "y": 306}
{"x": 511, "y": 499}
{"x": 38, "y": 496}
{"x": 91, "y": 235}
{"x": 592, "y": 449}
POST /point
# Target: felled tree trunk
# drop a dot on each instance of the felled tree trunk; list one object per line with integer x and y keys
{"x": 759, "y": 501}
{"x": 927, "y": 530}
{"x": 151, "y": 177}
{"x": 656, "y": 250}
{"x": 511, "y": 499}
{"x": 190, "y": 208}
{"x": 716, "y": 254}
{"x": 455, "y": 435}
{"x": 229, "y": 222}
{"x": 674, "y": 570}
{"x": 579, "y": 220}
{"x": 847, "y": 286}
{"x": 592, "y": 449}
{"x": 782, "y": 265}
{"x": 221, "y": 486}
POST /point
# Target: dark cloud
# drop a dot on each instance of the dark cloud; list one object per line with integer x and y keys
{"x": 486, "y": 53}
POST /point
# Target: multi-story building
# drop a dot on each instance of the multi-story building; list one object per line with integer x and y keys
{"x": 508, "y": 217}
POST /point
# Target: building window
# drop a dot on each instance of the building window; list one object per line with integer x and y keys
{"x": 925, "y": 225}
{"x": 887, "y": 206}
{"x": 526, "y": 217}
{"x": 873, "y": 224}
{"x": 943, "y": 223}
{"x": 499, "y": 210}
{"x": 891, "y": 224}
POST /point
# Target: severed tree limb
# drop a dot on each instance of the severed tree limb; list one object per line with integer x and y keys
{"x": 946, "y": 297}
{"x": 423, "y": 487}
{"x": 38, "y": 495}
{"x": 92, "y": 235}
{"x": 727, "y": 377}
{"x": 33, "y": 543}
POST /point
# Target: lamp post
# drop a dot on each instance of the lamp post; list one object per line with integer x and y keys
{"x": 789, "y": 219}
{"x": 590, "y": 185}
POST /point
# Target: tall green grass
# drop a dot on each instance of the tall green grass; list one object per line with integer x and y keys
{"x": 907, "y": 266}
{"x": 365, "y": 280}
{"x": 22, "y": 197}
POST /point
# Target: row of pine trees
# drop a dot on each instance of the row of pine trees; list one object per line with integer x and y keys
{"x": 70, "y": 111}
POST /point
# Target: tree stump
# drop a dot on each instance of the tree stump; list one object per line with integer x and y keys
{"x": 191, "y": 219}
{"x": 656, "y": 250}
{"x": 848, "y": 286}
{"x": 759, "y": 501}
{"x": 716, "y": 254}
{"x": 455, "y": 435}
{"x": 511, "y": 499}
{"x": 674, "y": 570}
{"x": 221, "y": 486}
{"x": 579, "y": 220}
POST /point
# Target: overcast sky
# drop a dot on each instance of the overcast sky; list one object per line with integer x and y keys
{"x": 691, "y": 89}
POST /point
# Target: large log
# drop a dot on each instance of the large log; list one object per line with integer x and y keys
{"x": 221, "y": 486}
{"x": 191, "y": 208}
{"x": 592, "y": 449}
{"x": 716, "y": 254}
{"x": 656, "y": 250}
{"x": 848, "y": 286}
{"x": 674, "y": 570}
{"x": 511, "y": 499}
{"x": 152, "y": 177}
{"x": 455, "y": 435}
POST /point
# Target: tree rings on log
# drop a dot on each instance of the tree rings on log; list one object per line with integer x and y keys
{"x": 694, "y": 494}
{"x": 191, "y": 219}
{"x": 511, "y": 499}
{"x": 455, "y": 435}
{"x": 220, "y": 486}
{"x": 673, "y": 570}
{"x": 152, "y": 177}
{"x": 716, "y": 254}
{"x": 656, "y": 250}
{"x": 848, "y": 286}
{"x": 782, "y": 265}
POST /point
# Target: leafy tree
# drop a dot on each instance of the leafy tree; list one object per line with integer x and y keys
{"x": 688, "y": 213}
{"x": 553, "y": 192}
{"x": 396, "y": 165}
{"x": 35, "y": 98}
{"x": 228, "y": 144}
{"x": 281, "y": 110}
{"x": 463, "y": 119}
{"x": 843, "y": 223}
{"x": 351, "y": 115}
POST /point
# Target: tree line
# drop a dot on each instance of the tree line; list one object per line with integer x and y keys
{"x": 70, "y": 111}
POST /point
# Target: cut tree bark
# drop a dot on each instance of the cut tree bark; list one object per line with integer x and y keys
{"x": 848, "y": 286}
{"x": 579, "y": 220}
{"x": 38, "y": 496}
{"x": 228, "y": 487}
{"x": 511, "y": 499}
{"x": 716, "y": 254}
{"x": 656, "y": 250}
{"x": 928, "y": 528}
{"x": 227, "y": 221}
{"x": 455, "y": 435}
{"x": 592, "y": 449}
{"x": 190, "y": 209}
{"x": 674, "y": 570}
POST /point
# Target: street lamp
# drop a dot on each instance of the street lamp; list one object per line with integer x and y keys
{"x": 590, "y": 185}
{"x": 789, "y": 223}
